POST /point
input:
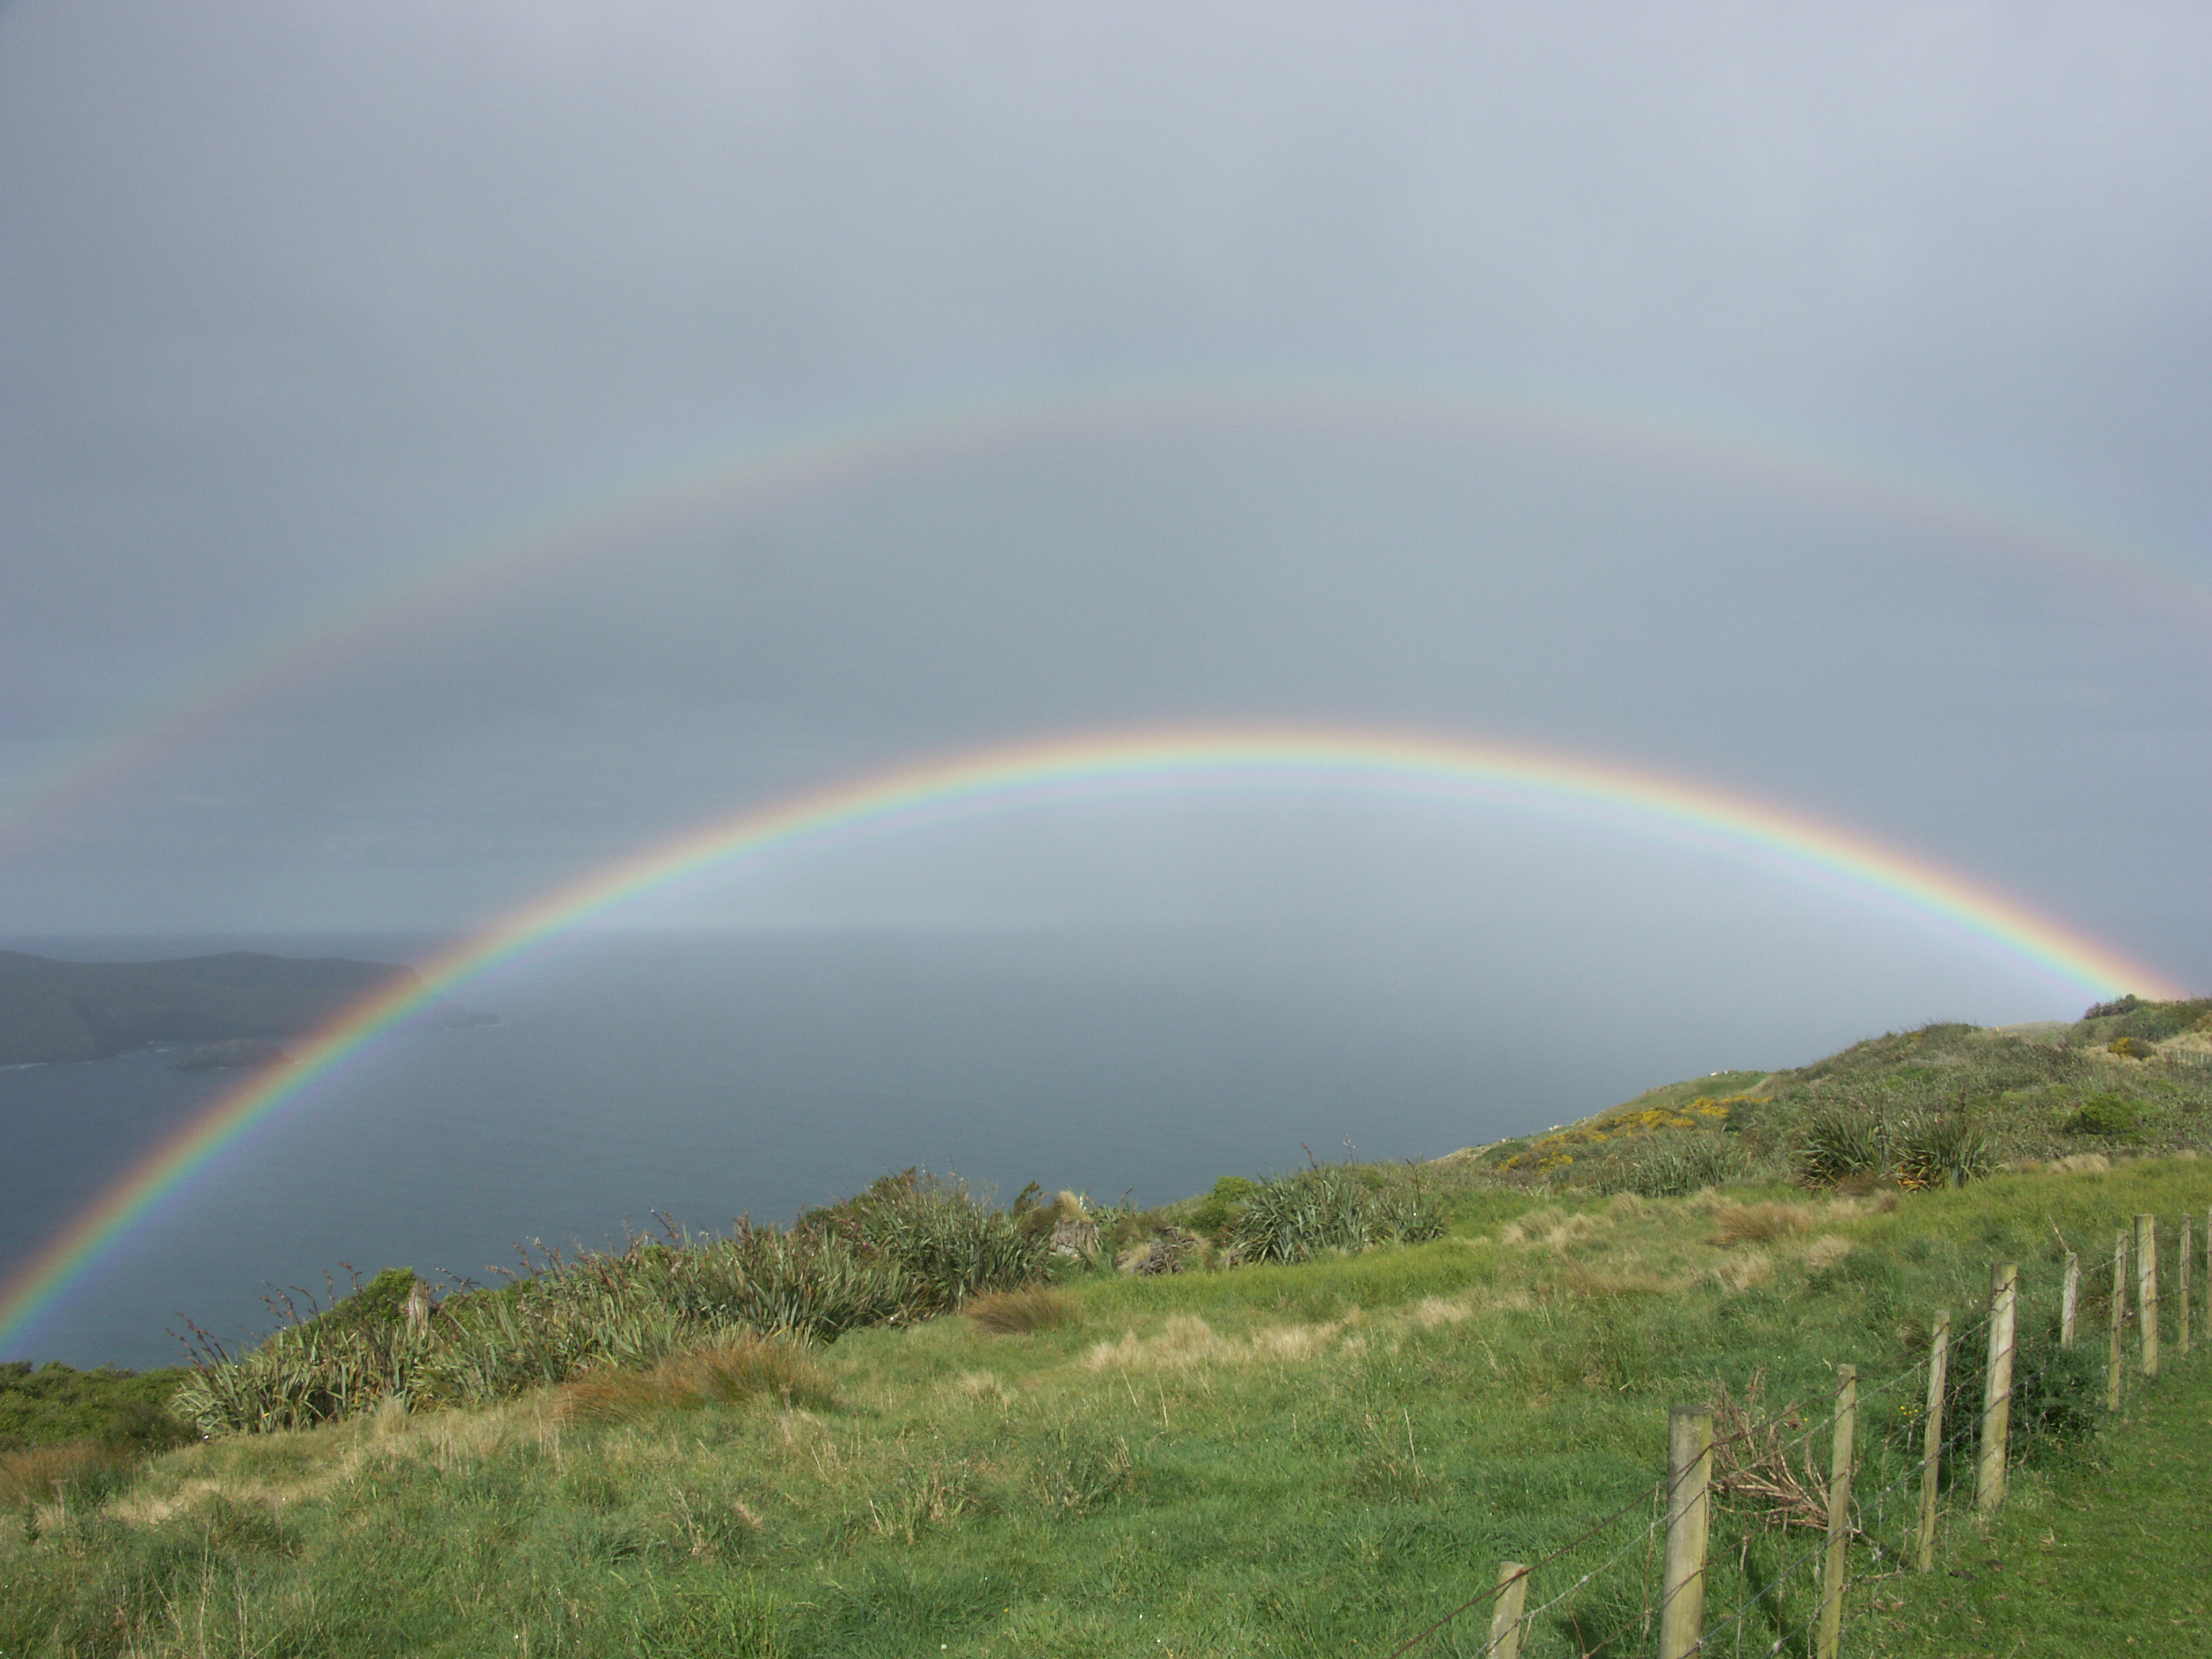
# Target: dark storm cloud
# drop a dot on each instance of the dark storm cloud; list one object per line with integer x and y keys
{"x": 296, "y": 298}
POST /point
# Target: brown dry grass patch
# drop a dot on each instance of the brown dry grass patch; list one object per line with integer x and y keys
{"x": 1608, "y": 1284}
{"x": 732, "y": 1373}
{"x": 40, "y": 1475}
{"x": 1019, "y": 1313}
{"x": 1759, "y": 1224}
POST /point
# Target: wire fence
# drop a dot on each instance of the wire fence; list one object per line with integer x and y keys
{"x": 1785, "y": 1530}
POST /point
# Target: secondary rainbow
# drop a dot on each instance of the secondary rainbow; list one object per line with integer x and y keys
{"x": 731, "y": 476}
{"x": 1298, "y": 759}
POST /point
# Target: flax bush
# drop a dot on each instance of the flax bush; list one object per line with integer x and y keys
{"x": 1295, "y": 1216}
{"x": 909, "y": 1247}
{"x": 1843, "y": 1145}
{"x": 1670, "y": 1165}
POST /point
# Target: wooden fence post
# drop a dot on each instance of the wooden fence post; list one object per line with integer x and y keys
{"x": 2181, "y": 1261}
{"x": 1932, "y": 1454}
{"x": 1839, "y": 1513}
{"x": 2112, "y": 1364}
{"x": 1505, "y": 1612}
{"x": 2146, "y": 1292}
{"x": 1689, "y": 1515}
{"x": 2069, "y": 1300}
{"x": 1996, "y": 1387}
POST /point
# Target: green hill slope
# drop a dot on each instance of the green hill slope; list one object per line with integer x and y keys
{"x": 1925, "y": 1107}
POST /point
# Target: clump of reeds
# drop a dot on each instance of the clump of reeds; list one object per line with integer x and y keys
{"x": 1018, "y": 1313}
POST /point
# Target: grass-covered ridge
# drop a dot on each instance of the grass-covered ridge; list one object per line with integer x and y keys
{"x": 1153, "y": 1436}
{"x": 1940, "y": 1103}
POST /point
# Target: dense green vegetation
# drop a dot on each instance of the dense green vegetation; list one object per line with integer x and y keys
{"x": 56, "y": 1403}
{"x": 1303, "y": 1415}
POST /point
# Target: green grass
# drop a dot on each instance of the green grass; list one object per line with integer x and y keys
{"x": 2108, "y": 1554}
{"x": 1275, "y": 1459}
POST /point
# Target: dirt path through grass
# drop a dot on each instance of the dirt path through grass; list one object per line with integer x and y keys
{"x": 2110, "y": 1556}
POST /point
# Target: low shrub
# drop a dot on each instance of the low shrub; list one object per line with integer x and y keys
{"x": 2132, "y": 1019}
{"x": 2108, "y": 1117}
{"x": 1167, "y": 1250}
{"x": 57, "y": 1404}
{"x": 2058, "y": 1399}
{"x": 1217, "y": 1211}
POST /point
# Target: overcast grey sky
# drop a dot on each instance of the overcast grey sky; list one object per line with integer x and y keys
{"x": 297, "y": 300}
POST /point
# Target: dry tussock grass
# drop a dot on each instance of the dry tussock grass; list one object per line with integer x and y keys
{"x": 1293, "y": 1343}
{"x": 1018, "y": 1313}
{"x": 1185, "y": 1341}
{"x": 1825, "y": 1251}
{"x": 1746, "y": 1271}
{"x": 1432, "y": 1311}
{"x": 1600, "y": 1283}
{"x": 1759, "y": 1224}
{"x": 731, "y": 1373}
{"x": 39, "y": 1475}
{"x": 2081, "y": 1163}
{"x": 1555, "y": 1228}
{"x": 983, "y": 1388}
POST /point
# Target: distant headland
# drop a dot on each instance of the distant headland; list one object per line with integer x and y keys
{"x": 62, "y": 1011}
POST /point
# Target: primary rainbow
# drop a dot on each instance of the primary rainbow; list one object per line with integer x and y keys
{"x": 1307, "y": 759}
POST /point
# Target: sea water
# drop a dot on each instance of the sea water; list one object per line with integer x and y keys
{"x": 700, "y": 1078}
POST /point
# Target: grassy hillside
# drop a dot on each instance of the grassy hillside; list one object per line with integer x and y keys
{"x": 1307, "y": 1416}
{"x": 1930, "y": 1106}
